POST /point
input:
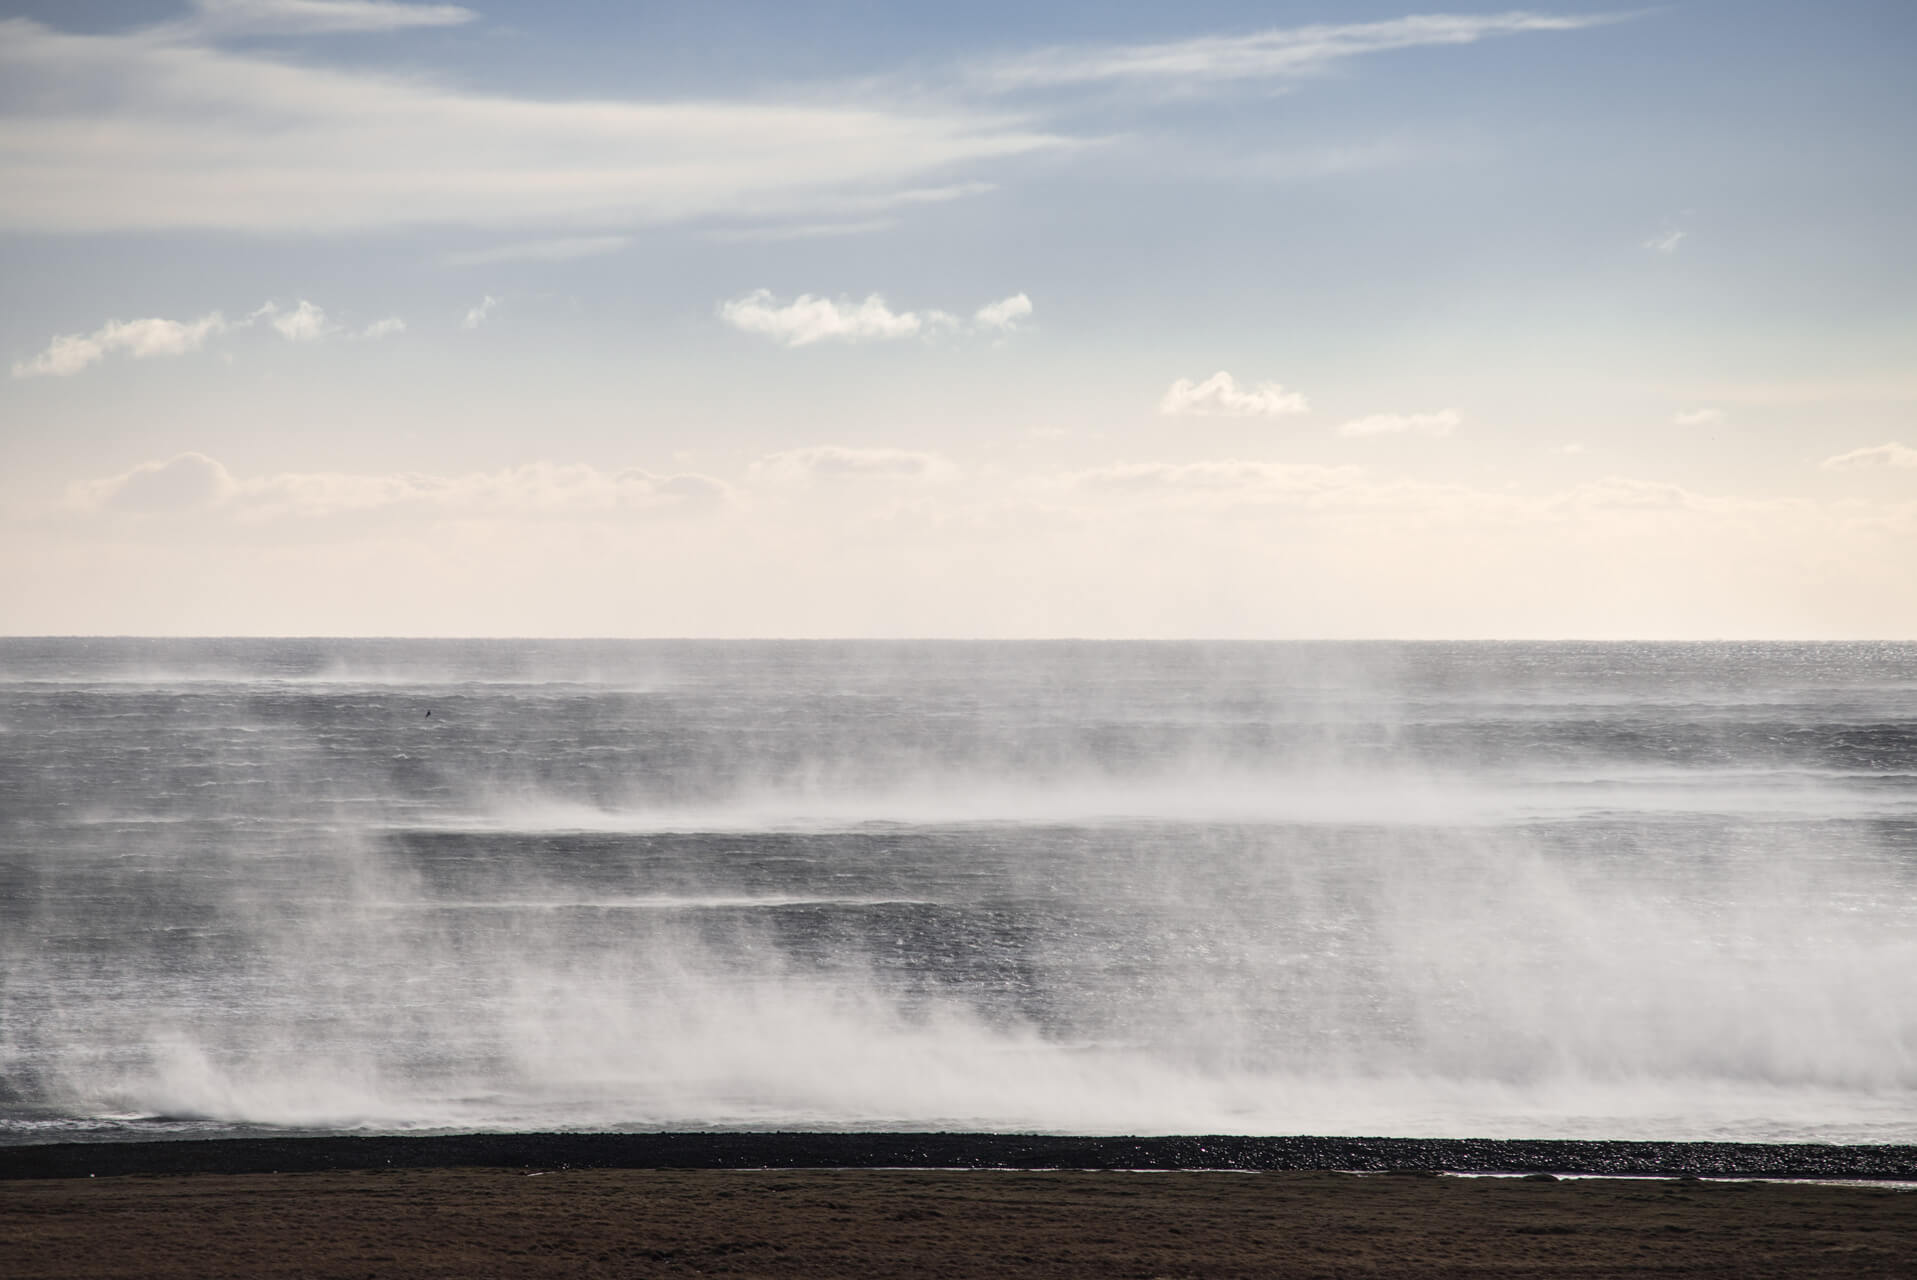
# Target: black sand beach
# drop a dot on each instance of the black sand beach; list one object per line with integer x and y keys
{"x": 488, "y": 1222}
{"x": 800, "y": 1205}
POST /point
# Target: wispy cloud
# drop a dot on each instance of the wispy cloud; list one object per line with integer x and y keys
{"x": 1698, "y": 417}
{"x": 476, "y": 314}
{"x": 1667, "y": 241}
{"x": 1280, "y": 52}
{"x": 1441, "y": 423}
{"x": 384, "y": 328}
{"x": 1221, "y": 395}
{"x": 1892, "y": 454}
{"x": 162, "y": 128}
{"x": 171, "y": 126}
{"x": 563, "y": 249}
{"x": 69, "y": 353}
{"x": 860, "y": 213}
{"x": 799, "y": 231}
{"x": 322, "y": 17}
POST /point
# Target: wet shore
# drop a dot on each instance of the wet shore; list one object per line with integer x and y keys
{"x": 953, "y": 1151}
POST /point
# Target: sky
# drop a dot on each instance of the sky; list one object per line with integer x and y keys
{"x": 1280, "y": 320}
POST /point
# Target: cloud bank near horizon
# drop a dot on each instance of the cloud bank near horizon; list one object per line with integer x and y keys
{"x": 850, "y": 539}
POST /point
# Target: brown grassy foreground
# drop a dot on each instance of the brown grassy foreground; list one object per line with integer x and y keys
{"x": 879, "y": 1223}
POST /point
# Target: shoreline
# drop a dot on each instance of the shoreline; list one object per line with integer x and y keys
{"x": 956, "y": 1151}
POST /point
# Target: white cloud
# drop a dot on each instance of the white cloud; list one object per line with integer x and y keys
{"x": 304, "y": 323}
{"x": 1284, "y": 51}
{"x": 157, "y": 128}
{"x": 1883, "y": 455}
{"x": 317, "y": 17}
{"x": 1004, "y": 314}
{"x": 185, "y": 482}
{"x": 1666, "y": 241}
{"x": 193, "y": 481}
{"x": 1216, "y": 480}
{"x": 1220, "y": 394}
{"x": 807, "y": 319}
{"x": 1441, "y": 423}
{"x": 533, "y": 489}
{"x": 476, "y": 315}
{"x": 1230, "y": 479}
{"x": 564, "y": 249}
{"x": 1698, "y": 417}
{"x": 831, "y": 462}
{"x": 70, "y": 353}
{"x": 67, "y": 354}
{"x": 1625, "y": 493}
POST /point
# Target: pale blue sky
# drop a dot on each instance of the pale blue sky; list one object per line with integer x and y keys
{"x": 871, "y": 319}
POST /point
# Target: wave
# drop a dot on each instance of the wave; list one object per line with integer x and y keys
{"x": 823, "y": 1065}
{"x": 1404, "y": 799}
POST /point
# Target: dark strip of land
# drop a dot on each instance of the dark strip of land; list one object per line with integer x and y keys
{"x": 477, "y": 1223}
{"x": 952, "y": 1151}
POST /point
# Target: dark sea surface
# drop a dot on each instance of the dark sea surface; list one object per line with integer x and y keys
{"x": 1437, "y": 890}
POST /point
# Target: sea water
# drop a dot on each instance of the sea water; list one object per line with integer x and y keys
{"x": 1498, "y": 890}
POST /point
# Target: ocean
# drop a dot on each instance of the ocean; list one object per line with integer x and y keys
{"x": 1418, "y": 890}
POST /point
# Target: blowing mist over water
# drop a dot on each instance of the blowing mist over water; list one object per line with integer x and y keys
{"x": 1490, "y": 890}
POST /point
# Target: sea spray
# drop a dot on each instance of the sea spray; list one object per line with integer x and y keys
{"x": 1600, "y": 891}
